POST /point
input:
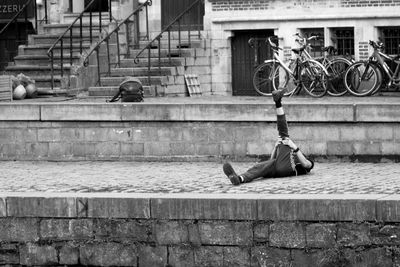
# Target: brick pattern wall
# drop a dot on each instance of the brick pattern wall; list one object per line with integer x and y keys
{"x": 240, "y": 5}
{"x": 364, "y": 52}
{"x": 102, "y": 231}
{"x": 243, "y": 5}
{"x": 369, "y": 3}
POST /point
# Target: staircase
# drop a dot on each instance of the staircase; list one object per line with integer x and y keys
{"x": 166, "y": 75}
{"x": 32, "y": 59}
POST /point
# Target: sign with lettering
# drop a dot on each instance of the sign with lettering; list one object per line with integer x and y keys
{"x": 8, "y": 8}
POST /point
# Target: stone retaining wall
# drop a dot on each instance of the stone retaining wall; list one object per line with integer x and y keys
{"x": 199, "y": 230}
{"x": 192, "y": 131}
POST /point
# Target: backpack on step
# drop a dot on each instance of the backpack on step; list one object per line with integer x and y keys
{"x": 130, "y": 90}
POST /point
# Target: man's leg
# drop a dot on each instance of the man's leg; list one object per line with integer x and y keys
{"x": 282, "y": 125}
{"x": 264, "y": 169}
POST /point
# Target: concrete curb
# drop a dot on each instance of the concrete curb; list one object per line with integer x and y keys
{"x": 255, "y": 112}
{"x": 291, "y": 207}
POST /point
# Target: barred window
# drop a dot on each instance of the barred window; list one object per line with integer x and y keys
{"x": 344, "y": 41}
{"x": 316, "y": 45}
{"x": 391, "y": 39}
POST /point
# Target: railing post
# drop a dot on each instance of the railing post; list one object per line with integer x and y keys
{"x": 148, "y": 65}
{"x": 62, "y": 57}
{"x": 108, "y": 56}
{"x": 36, "y": 17}
{"x": 100, "y": 16}
{"x": 147, "y": 23}
{"x": 52, "y": 69}
{"x": 159, "y": 55}
{"x": 90, "y": 26}
{"x": 80, "y": 34}
{"x": 169, "y": 45}
{"x": 45, "y": 12}
{"x": 70, "y": 46}
{"x": 26, "y": 21}
{"x": 179, "y": 36}
{"x": 127, "y": 39}
{"x": 118, "y": 51}
{"x": 198, "y": 18}
{"x": 110, "y": 10}
{"x": 98, "y": 67}
{"x": 137, "y": 31}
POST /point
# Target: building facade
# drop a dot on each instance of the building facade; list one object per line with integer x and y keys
{"x": 346, "y": 24}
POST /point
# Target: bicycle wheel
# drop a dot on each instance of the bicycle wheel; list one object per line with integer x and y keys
{"x": 283, "y": 79}
{"x": 361, "y": 78}
{"x": 262, "y": 78}
{"x": 314, "y": 78}
{"x": 382, "y": 78}
{"x": 336, "y": 69}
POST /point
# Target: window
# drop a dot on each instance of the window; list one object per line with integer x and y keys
{"x": 316, "y": 45}
{"x": 343, "y": 38}
{"x": 391, "y": 38}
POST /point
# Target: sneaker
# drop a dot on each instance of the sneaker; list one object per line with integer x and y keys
{"x": 278, "y": 94}
{"x": 228, "y": 170}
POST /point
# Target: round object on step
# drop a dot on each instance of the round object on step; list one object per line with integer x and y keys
{"x": 19, "y": 92}
{"x": 31, "y": 90}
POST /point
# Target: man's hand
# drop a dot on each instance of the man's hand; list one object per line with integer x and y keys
{"x": 287, "y": 141}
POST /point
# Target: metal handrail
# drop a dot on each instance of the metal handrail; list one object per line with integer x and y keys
{"x": 177, "y": 19}
{"x": 13, "y": 19}
{"x": 106, "y": 39}
{"x": 50, "y": 52}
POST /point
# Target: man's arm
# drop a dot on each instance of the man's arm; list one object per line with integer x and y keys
{"x": 300, "y": 156}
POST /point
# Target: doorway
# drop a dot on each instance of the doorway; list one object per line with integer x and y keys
{"x": 246, "y": 58}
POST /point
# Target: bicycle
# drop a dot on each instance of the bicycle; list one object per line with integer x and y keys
{"x": 368, "y": 77}
{"x": 335, "y": 66}
{"x": 299, "y": 73}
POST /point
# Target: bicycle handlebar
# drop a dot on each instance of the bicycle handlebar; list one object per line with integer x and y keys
{"x": 272, "y": 43}
{"x": 376, "y": 45}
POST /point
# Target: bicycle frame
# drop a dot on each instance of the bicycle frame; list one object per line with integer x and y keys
{"x": 379, "y": 56}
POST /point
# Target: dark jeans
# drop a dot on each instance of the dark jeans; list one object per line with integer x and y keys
{"x": 281, "y": 165}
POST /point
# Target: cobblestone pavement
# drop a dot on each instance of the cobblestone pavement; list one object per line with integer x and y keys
{"x": 197, "y": 177}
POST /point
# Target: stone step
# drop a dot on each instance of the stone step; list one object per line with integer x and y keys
{"x": 60, "y": 28}
{"x": 164, "y": 62}
{"x": 43, "y": 82}
{"x": 70, "y": 17}
{"x": 174, "y": 43}
{"x": 143, "y": 71}
{"x": 41, "y": 49}
{"x": 164, "y": 53}
{"x": 51, "y": 38}
{"x": 110, "y": 91}
{"x": 43, "y": 60}
{"x": 174, "y": 35}
{"x": 35, "y": 70}
{"x": 115, "y": 81}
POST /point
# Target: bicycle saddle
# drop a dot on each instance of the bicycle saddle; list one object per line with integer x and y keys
{"x": 298, "y": 50}
{"x": 330, "y": 49}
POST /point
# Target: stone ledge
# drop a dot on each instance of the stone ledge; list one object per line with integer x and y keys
{"x": 231, "y": 112}
{"x": 318, "y": 207}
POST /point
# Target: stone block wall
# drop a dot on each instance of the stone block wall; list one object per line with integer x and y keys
{"x": 199, "y": 230}
{"x": 192, "y": 131}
